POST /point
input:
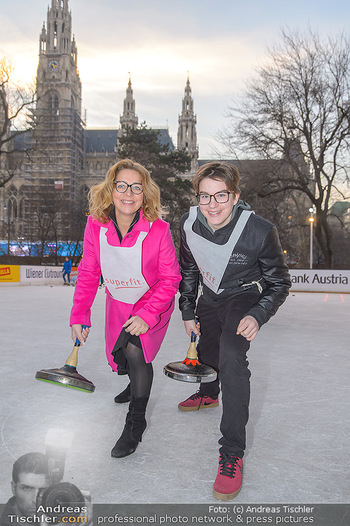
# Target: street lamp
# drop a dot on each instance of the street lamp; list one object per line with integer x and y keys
{"x": 311, "y": 220}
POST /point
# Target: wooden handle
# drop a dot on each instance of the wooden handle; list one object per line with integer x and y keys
{"x": 192, "y": 352}
{"x": 72, "y": 359}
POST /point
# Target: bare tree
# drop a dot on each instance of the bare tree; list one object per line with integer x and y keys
{"x": 16, "y": 104}
{"x": 45, "y": 209}
{"x": 297, "y": 107}
{"x": 165, "y": 165}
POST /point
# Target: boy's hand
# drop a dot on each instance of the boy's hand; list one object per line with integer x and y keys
{"x": 192, "y": 326}
{"x": 248, "y": 328}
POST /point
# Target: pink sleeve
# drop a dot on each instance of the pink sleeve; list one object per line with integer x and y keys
{"x": 89, "y": 272}
{"x": 161, "y": 295}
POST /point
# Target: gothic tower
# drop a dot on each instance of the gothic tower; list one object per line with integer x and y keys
{"x": 59, "y": 134}
{"x": 129, "y": 118}
{"x": 187, "y": 134}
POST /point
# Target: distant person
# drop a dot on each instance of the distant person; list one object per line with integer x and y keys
{"x": 126, "y": 240}
{"x": 67, "y": 269}
{"x": 237, "y": 258}
{"x": 29, "y": 477}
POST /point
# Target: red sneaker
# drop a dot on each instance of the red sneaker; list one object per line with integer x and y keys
{"x": 198, "y": 401}
{"x": 229, "y": 478}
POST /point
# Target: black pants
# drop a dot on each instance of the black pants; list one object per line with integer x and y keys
{"x": 220, "y": 347}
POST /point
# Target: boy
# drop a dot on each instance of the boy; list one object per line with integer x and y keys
{"x": 237, "y": 258}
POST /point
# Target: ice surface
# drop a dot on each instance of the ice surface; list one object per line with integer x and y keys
{"x": 297, "y": 436}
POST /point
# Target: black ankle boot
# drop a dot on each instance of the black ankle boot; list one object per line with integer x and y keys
{"x": 135, "y": 425}
{"x": 124, "y": 396}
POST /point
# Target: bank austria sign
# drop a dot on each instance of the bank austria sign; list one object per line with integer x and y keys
{"x": 320, "y": 280}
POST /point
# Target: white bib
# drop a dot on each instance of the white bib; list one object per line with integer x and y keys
{"x": 212, "y": 259}
{"x": 122, "y": 269}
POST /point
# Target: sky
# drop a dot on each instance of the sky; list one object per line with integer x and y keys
{"x": 219, "y": 43}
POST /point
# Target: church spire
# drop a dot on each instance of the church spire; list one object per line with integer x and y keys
{"x": 129, "y": 118}
{"x": 56, "y": 38}
{"x": 58, "y": 130}
{"x": 187, "y": 134}
{"x": 58, "y": 60}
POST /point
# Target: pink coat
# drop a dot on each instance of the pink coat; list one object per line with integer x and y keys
{"x": 159, "y": 268}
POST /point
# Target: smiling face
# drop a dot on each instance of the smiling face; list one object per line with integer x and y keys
{"x": 216, "y": 214}
{"x": 127, "y": 204}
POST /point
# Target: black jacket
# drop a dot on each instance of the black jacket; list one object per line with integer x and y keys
{"x": 11, "y": 508}
{"x": 258, "y": 255}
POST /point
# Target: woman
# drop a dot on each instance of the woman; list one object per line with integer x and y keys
{"x": 126, "y": 240}
{"x": 237, "y": 258}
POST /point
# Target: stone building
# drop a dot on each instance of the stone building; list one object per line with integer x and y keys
{"x": 187, "y": 133}
{"x": 66, "y": 158}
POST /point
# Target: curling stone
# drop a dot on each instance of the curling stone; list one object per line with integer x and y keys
{"x": 67, "y": 375}
{"x": 190, "y": 370}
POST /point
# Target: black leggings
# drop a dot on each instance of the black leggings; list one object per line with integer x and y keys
{"x": 140, "y": 372}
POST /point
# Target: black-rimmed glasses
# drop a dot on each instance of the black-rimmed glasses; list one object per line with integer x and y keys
{"x": 220, "y": 197}
{"x": 122, "y": 186}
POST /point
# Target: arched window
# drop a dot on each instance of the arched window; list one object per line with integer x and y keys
{"x": 8, "y": 211}
{"x": 55, "y": 35}
{"x": 21, "y": 210}
{"x": 56, "y": 110}
{"x": 11, "y": 212}
{"x": 14, "y": 209}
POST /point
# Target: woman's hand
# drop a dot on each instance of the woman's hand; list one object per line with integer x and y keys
{"x": 136, "y": 325}
{"x": 192, "y": 326}
{"x": 79, "y": 334}
{"x": 248, "y": 328}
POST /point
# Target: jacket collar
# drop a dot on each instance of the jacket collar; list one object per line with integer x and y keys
{"x": 138, "y": 224}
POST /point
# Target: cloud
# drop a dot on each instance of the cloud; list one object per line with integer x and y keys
{"x": 215, "y": 63}
{"x": 220, "y": 43}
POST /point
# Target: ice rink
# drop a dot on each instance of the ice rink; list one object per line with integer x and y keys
{"x": 298, "y": 436}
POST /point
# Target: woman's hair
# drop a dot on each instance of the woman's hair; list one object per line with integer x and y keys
{"x": 101, "y": 195}
{"x": 218, "y": 170}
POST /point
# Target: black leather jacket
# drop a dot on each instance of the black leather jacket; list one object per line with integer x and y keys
{"x": 258, "y": 256}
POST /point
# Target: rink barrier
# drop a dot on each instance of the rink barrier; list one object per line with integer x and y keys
{"x": 303, "y": 280}
{"x": 34, "y": 275}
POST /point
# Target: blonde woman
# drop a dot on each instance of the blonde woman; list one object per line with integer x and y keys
{"x": 128, "y": 242}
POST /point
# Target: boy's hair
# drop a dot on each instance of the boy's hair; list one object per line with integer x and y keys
{"x": 218, "y": 170}
{"x": 29, "y": 463}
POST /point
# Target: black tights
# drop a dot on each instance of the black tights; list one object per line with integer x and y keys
{"x": 140, "y": 372}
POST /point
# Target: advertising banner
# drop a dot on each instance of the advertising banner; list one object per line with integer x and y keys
{"x": 36, "y": 275}
{"x": 320, "y": 280}
{"x": 9, "y": 273}
{"x": 74, "y": 275}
